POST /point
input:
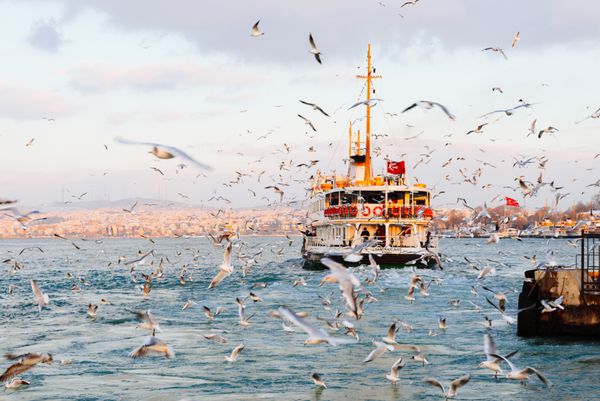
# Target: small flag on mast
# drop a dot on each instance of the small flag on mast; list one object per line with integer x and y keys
{"x": 396, "y": 168}
{"x": 511, "y": 202}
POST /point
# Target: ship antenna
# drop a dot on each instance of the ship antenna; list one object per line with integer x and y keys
{"x": 368, "y": 77}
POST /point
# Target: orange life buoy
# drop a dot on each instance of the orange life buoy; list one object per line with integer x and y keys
{"x": 366, "y": 211}
{"x": 377, "y": 210}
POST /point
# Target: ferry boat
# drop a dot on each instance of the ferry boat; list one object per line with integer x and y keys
{"x": 359, "y": 216}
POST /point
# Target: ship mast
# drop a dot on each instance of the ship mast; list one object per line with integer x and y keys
{"x": 368, "y": 77}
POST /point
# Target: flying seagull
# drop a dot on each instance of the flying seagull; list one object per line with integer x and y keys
{"x": 315, "y": 107}
{"x": 165, "y": 152}
{"x": 426, "y": 104}
{"x": 313, "y": 48}
{"x": 497, "y": 50}
{"x": 256, "y": 31}
{"x": 411, "y": 2}
{"x": 41, "y": 298}
{"x": 516, "y": 39}
{"x": 153, "y": 346}
{"x": 454, "y": 386}
{"x": 478, "y": 129}
{"x": 307, "y": 122}
{"x": 549, "y": 130}
{"x": 23, "y": 364}
{"x": 370, "y": 103}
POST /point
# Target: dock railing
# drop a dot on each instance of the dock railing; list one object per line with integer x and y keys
{"x": 590, "y": 262}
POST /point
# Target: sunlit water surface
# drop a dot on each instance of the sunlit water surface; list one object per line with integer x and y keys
{"x": 275, "y": 364}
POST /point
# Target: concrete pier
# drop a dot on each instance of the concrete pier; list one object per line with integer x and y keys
{"x": 581, "y": 314}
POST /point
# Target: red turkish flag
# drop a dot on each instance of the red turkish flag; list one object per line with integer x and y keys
{"x": 511, "y": 202}
{"x": 396, "y": 167}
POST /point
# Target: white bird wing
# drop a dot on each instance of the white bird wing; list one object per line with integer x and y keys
{"x": 227, "y": 254}
{"x": 312, "y": 330}
{"x": 510, "y": 364}
{"x": 236, "y": 351}
{"x": 397, "y": 366}
{"x": 529, "y": 370}
{"x": 456, "y": 383}
{"x": 379, "y": 350}
{"x": 313, "y": 46}
{"x": 340, "y": 272}
{"x": 445, "y": 110}
{"x": 435, "y": 383}
{"x": 171, "y": 149}
{"x": 489, "y": 347}
{"x": 39, "y": 295}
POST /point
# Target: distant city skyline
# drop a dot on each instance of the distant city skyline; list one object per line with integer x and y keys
{"x": 84, "y": 72}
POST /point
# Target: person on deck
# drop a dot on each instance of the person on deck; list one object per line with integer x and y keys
{"x": 365, "y": 234}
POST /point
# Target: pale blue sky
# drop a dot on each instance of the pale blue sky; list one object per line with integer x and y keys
{"x": 181, "y": 72}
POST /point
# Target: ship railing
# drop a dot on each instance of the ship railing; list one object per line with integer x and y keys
{"x": 396, "y": 241}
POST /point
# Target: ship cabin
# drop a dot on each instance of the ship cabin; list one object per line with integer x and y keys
{"x": 384, "y": 209}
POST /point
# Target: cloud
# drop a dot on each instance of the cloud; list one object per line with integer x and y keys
{"x": 23, "y": 103}
{"x": 45, "y": 36}
{"x": 339, "y": 26}
{"x": 153, "y": 77}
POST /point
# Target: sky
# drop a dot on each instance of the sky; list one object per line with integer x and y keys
{"x": 79, "y": 73}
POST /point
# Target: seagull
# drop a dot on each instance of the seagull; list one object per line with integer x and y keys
{"x": 551, "y": 306}
{"x": 30, "y": 142}
{"x": 235, "y": 353}
{"x": 380, "y": 349}
{"x": 454, "y": 386}
{"x": 255, "y": 31}
{"x": 411, "y": 2}
{"x": 16, "y": 383}
{"x": 346, "y": 281}
{"x": 420, "y": 358}
{"x": 496, "y": 49}
{"x": 215, "y": 337}
{"x": 130, "y": 210}
{"x": 393, "y": 375}
{"x": 370, "y": 103}
{"x": 316, "y": 335}
{"x": 313, "y": 48}
{"x": 92, "y": 311}
{"x": 141, "y": 259}
{"x": 496, "y": 88}
{"x": 165, "y": 152}
{"x": 307, "y": 122}
{"x": 314, "y": 106}
{"x": 428, "y": 105}
{"x": 509, "y": 112}
{"x": 41, "y": 298}
{"x": 478, "y": 129}
{"x": 522, "y": 374}
{"x": 390, "y": 338}
{"x": 153, "y": 346}
{"x": 148, "y": 320}
{"x": 225, "y": 269}
{"x": 491, "y": 363}
{"x": 23, "y": 364}
{"x": 516, "y": 39}
{"x": 208, "y": 313}
{"x": 318, "y": 380}
{"x": 508, "y": 319}
{"x": 595, "y": 114}
{"x": 532, "y": 128}
{"x": 549, "y": 130}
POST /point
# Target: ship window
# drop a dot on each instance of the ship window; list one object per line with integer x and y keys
{"x": 394, "y": 197}
{"x": 349, "y": 199}
{"x": 420, "y": 198}
{"x": 373, "y": 197}
{"x": 335, "y": 198}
